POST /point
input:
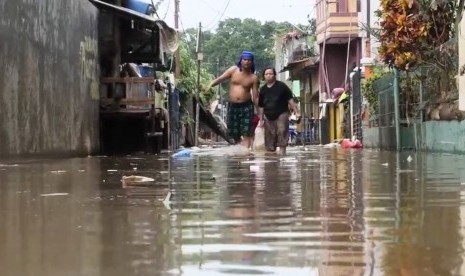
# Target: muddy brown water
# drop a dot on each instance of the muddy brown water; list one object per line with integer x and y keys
{"x": 314, "y": 212}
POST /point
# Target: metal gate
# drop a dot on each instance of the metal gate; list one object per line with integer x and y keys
{"x": 386, "y": 113}
{"x": 356, "y": 104}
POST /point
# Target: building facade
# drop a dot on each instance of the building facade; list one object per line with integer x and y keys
{"x": 338, "y": 37}
{"x": 297, "y": 63}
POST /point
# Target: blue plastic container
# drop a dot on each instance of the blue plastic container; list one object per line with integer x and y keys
{"x": 183, "y": 153}
{"x": 146, "y": 71}
{"x": 142, "y": 6}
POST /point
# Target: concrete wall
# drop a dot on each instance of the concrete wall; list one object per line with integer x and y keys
{"x": 443, "y": 136}
{"x": 434, "y": 136}
{"x": 49, "y": 77}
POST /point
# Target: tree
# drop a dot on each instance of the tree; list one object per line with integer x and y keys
{"x": 187, "y": 84}
{"x": 224, "y": 45}
{"x": 403, "y": 33}
{"x": 412, "y": 31}
{"x": 420, "y": 38}
{"x": 312, "y": 26}
{"x": 422, "y": 33}
{"x": 233, "y": 35}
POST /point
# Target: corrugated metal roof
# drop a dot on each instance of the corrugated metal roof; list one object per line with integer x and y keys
{"x": 301, "y": 64}
{"x": 170, "y": 35}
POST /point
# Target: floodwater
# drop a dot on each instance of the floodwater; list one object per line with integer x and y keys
{"x": 317, "y": 211}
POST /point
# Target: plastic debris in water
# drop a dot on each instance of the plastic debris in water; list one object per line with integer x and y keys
{"x": 167, "y": 201}
{"x": 55, "y": 194}
{"x": 258, "y": 161}
{"x": 58, "y": 172}
{"x": 254, "y": 168}
{"x": 8, "y": 165}
{"x": 332, "y": 145}
{"x": 136, "y": 179}
{"x": 236, "y": 150}
{"x": 183, "y": 153}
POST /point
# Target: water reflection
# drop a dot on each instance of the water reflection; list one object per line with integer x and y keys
{"x": 315, "y": 212}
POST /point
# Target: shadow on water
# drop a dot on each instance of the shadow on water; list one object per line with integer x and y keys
{"x": 315, "y": 212}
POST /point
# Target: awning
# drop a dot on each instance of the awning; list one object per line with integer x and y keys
{"x": 169, "y": 36}
{"x": 301, "y": 64}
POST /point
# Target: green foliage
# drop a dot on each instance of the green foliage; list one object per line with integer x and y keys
{"x": 369, "y": 92}
{"x": 187, "y": 84}
{"x": 421, "y": 36}
{"x": 233, "y": 35}
{"x": 409, "y": 84}
{"x": 222, "y": 48}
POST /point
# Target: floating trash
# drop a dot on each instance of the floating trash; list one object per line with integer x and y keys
{"x": 136, "y": 179}
{"x": 55, "y": 194}
{"x": 258, "y": 161}
{"x": 58, "y": 172}
{"x": 254, "y": 168}
{"x": 8, "y": 165}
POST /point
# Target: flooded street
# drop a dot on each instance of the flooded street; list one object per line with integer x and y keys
{"x": 317, "y": 211}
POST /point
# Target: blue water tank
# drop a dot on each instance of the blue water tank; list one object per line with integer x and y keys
{"x": 146, "y": 71}
{"x": 142, "y": 6}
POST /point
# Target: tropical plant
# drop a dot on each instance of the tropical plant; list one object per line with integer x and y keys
{"x": 403, "y": 33}
{"x": 369, "y": 93}
{"x": 421, "y": 34}
{"x": 187, "y": 84}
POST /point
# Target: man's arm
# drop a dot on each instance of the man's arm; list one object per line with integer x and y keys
{"x": 255, "y": 91}
{"x": 226, "y": 75}
{"x": 260, "y": 104}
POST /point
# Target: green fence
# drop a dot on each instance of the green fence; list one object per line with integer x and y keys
{"x": 397, "y": 119}
{"x": 385, "y": 90}
{"x": 383, "y": 124}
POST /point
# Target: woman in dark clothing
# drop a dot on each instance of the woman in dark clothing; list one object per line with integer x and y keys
{"x": 275, "y": 98}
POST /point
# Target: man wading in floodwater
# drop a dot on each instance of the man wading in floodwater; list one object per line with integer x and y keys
{"x": 243, "y": 92}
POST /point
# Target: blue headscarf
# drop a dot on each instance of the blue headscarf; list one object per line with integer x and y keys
{"x": 247, "y": 55}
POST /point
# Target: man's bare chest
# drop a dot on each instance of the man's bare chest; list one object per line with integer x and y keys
{"x": 245, "y": 81}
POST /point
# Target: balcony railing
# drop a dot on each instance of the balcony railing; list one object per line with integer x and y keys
{"x": 338, "y": 20}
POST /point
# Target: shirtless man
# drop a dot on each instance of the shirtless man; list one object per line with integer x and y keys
{"x": 243, "y": 92}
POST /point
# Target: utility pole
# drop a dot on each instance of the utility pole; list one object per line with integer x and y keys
{"x": 219, "y": 89}
{"x": 396, "y": 108}
{"x": 198, "y": 49}
{"x": 368, "y": 68}
{"x": 177, "y": 59}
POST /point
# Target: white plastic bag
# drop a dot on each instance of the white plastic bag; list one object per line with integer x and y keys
{"x": 259, "y": 139}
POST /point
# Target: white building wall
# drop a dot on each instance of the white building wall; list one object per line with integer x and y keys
{"x": 374, "y": 23}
